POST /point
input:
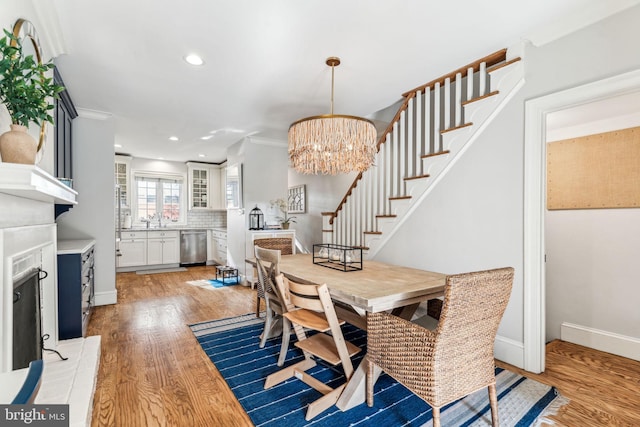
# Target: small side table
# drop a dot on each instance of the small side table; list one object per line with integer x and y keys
{"x": 224, "y": 272}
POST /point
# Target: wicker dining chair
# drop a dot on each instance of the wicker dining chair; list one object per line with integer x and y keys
{"x": 282, "y": 244}
{"x": 310, "y": 308}
{"x": 455, "y": 359}
{"x": 267, "y": 261}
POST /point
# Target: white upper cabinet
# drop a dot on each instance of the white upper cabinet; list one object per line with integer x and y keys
{"x": 205, "y": 186}
{"x": 122, "y": 177}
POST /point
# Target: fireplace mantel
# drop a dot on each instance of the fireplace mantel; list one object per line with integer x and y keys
{"x": 31, "y": 182}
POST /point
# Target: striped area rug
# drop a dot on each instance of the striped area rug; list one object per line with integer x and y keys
{"x": 232, "y": 345}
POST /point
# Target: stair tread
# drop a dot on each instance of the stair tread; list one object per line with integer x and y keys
{"x": 399, "y": 197}
{"x": 504, "y": 64}
{"x": 442, "y": 132}
{"x": 372, "y": 232}
{"x": 417, "y": 177}
{"x": 386, "y": 216}
{"x": 490, "y": 94}
{"x": 439, "y": 153}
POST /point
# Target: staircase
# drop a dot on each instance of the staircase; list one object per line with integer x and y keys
{"x": 433, "y": 127}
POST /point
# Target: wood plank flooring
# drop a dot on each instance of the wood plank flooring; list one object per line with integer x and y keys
{"x": 154, "y": 373}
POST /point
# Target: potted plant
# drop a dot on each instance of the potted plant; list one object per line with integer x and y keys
{"x": 25, "y": 91}
{"x": 285, "y": 220}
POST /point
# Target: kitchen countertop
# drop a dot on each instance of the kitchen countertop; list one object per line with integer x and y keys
{"x": 180, "y": 228}
{"x": 74, "y": 246}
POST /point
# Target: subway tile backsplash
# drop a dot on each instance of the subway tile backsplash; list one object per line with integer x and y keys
{"x": 206, "y": 219}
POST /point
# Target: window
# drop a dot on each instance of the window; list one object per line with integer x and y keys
{"x": 158, "y": 197}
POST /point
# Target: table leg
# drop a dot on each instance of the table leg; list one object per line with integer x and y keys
{"x": 355, "y": 392}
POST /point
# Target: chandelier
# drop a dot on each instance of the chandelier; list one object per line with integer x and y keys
{"x": 332, "y": 143}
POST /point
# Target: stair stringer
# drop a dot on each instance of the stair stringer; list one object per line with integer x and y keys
{"x": 458, "y": 145}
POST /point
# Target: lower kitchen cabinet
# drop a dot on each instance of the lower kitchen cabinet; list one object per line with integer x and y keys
{"x": 217, "y": 249}
{"x": 163, "y": 247}
{"x": 75, "y": 287}
{"x": 133, "y": 249}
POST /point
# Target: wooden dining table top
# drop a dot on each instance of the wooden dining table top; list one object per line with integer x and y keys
{"x": 377, "y": 287}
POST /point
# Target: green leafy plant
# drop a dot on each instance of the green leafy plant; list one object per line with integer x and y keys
{"x": 24, "y": 87}
{"x": 284, "y": 208}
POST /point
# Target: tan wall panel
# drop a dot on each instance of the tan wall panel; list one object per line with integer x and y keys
{"x": 595, "y": 171}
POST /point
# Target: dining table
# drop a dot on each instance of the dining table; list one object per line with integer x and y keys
{"x": 378, "y": 286}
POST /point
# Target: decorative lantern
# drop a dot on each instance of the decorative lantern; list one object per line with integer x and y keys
{"x": 256, "y": 219}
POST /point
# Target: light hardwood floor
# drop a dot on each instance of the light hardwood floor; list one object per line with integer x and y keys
{"x": 153, "y": 372}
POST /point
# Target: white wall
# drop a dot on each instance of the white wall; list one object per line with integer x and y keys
{"x": 93, "y": 216}
{"x": 474, "y": 219}
{"x": 264, "y": 178}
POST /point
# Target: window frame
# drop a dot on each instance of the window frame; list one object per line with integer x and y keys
{"x": 184, "y": 195}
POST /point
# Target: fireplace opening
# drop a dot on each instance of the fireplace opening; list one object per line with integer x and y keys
{"x": 27, "y": 334}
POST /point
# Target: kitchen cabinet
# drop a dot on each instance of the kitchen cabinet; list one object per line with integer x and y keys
{"x": 76, "y": 273}
{"x": 263, "y": 234}
{"x": 122, "y": 172}
{"x": 217, "y": 247}
{"x": 205, "y": 189}
{"x": 163, "y": 247}
{"x": 133, "y": 249}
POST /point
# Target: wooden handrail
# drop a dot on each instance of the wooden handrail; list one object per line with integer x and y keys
{"x": 489, "y": 60}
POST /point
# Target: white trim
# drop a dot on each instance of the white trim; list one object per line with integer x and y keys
{"x": 610, "y": 342}
{"x": 509, "y": 351}
{"x": 106, "y": 298}
{"x": 93, "y": 114}
{"x": 534, "y": 193}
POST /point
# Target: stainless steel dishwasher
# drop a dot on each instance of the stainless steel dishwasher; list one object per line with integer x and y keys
{"x": 193, "y": 247}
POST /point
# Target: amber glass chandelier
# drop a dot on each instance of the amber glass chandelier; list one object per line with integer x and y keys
{"x": 332, "y": 143}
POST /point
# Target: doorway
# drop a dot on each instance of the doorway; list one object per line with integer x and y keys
{"x": 536, "y": 112}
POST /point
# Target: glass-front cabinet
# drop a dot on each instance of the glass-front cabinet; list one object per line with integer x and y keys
{"x": 204, "y": 186}
{"x": 122, "y": 172}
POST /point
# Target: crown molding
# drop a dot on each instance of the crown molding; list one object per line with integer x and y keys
{"x": 93, "y": 114}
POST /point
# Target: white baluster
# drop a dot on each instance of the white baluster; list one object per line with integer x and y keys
{"x": 436, "y": 117}
{"x": 427, "y": 122}
{"x": 388, "y": 191}
{"x": 447, "y": 103}
{"x": 469, "y": 83}
{"x": 411, "y": 142}
{"x": 458, "y": 100}
{"x": 395, "y": 150}
{"x": 482, "y": 79}
{"x": 419, "y": 138}
{"x": 402, "y": 170}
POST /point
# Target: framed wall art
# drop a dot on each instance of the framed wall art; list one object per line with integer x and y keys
{"x": 297, "y": 199}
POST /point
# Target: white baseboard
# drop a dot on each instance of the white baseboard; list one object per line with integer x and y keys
{"x": 610, "y": 342}
{"x": 106, "y": 298}
{"x": 509, "y": 351}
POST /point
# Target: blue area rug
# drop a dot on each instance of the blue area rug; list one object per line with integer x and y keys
{"x": 227, "y": 282}
{"x": 232, "y": 345}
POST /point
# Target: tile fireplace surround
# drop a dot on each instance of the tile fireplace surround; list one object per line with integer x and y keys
{"x": 28, "y": 236}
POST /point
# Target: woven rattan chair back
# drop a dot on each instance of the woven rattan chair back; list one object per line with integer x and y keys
{"x": 455, "y": 359}
{"x": 309, "y": 307}
{"x": 283, "y": 244}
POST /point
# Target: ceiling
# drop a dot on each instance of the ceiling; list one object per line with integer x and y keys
{"x": 265, "y": 60}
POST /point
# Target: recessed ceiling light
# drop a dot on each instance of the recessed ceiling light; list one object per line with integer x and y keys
{"x": 201, "y": 155}
{"x": 173, "y": 138}
{"x": 160, "y": 158}
{"x": 206, "y": 137}
{"x": 193, "y": 59}
{"x": 117, "y": 145}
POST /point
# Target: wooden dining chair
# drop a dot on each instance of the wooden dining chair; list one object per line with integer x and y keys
{"x": 456, "y": 358}
{"x": 310, "y": 307}
{"x": 282, "y": 244}
{"x": 267, "y": 261}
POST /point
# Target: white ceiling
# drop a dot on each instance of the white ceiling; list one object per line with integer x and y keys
{"x": 265, "y": 60}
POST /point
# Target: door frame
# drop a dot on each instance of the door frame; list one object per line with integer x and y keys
{"x": 534, "y": 283}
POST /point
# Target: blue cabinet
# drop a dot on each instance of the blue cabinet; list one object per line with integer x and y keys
{"x": 75, "y": 287}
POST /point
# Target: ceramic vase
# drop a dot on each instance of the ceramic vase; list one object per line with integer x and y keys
{"x": 17, "y": 146}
